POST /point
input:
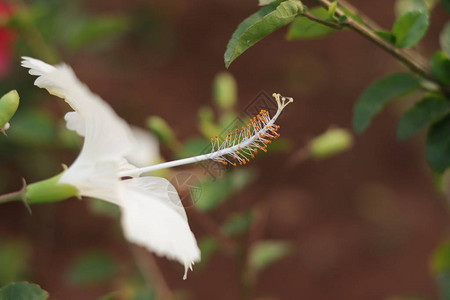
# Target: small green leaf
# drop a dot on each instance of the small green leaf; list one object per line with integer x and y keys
{"x": 262, "y": 23}
{"x": 386, "y": 35}
{"x": 421, "y": 114}
{"x": 304, "y": 28}
{"x": 444, "y": 39}
{"x": 22, "y": 291}
{"x": 92, "y": 268}
{"x": 438, "y": 145}
{"x": 238, "y": 223}
{"x": 410, "y": 28}
{"x": 265, "y": 253}
{"x": 404, "y": 6}
{"x": 446, "y": 4}
{"x": 378, "y": 94}
{"x": 14, "y": 259}
{"x": 440, "y": 68}
{"x": 331, "y": 10}
{"x": 266, "y": 2}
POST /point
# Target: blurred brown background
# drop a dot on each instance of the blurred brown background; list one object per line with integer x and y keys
{"x": 364, "y": 222}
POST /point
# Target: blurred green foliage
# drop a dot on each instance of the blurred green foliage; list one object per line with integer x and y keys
{"x": 91, "y": 268}
{"x": 22, "y": 291}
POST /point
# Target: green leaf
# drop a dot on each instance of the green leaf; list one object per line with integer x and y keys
{"x": 208, "y": 247}
{"x": 304, "y": 28}
{"x": 421, "y": 114}
{"x": 22, "y": 291}
{"x": 440, "y": 68}
{"x": 404, "y": 6}
{"x": 386, "y": 35}
{"x": 95, "y": 30}
{"x": 215, "y": 192}
{"x": 444, "y": 39}
{"x": 438, "y": 145}
{"x": 266, "y": 2}
{"x": 265, "y": 253}
{"x": 262, "y": 23}
{"x": 92, "y": 268}
{"x": 378, "y": 94}
{"x": 331, "y": 10}
{"x": 14, "y": 259}
{"x": 238, "y": 223}
{"x": 440, "y": 266}
{"x": 410, "y": 28}
{"x": 440, "y": 261}
{"x": 446, "y": 4}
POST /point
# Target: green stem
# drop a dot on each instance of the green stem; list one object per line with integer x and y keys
{"x": 412, "y": 59}
{"x": 14, "y": 196}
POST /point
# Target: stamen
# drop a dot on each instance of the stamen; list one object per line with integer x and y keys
{"x": 239, "y": 146}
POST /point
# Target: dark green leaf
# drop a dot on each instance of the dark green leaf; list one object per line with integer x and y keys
{"x": 378, "y": 94}
{"x": 266, "y": 253}
{"x": 386, "y": 35}
{"x": 440, "y": 68}
{"x": 259, "y": 25}
{"x": 438, "y": 145}
{"x": 410, "y": 28}
{"x": 92, "y": 268}
{"x": 446, "y": 4}
{"x": 421, "y": 114}
{"x": 238, "y": 223}
{"x": 22, "y": 291}
{"x": 444, "y": 39}
{"x": 304, "y": 28}
{"x": 404, "y": 6}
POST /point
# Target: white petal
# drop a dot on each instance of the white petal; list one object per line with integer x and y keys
{"x": 107, "y": 136}
{"x": 75, "y": 122}
{"x": 146, "y": 149}
{"x": 150, "y": 220}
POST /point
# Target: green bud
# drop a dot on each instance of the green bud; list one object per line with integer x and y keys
{"x": 164, "y": 132}
{"x": 50, "y": 190}
{"x": 206, "y": 122}
{"x": 225, "y": 90}
{"x": 8, "y": 107}
{"x": 332, "y": 142}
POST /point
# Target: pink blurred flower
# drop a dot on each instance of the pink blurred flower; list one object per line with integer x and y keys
{"x": 7, "y": 38}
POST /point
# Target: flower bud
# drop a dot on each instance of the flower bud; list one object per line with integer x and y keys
{"x": 49, "y": 190}
{"x": 8, "y": 107}
{"x": 225, "y": 90}
{"x": 332, "y": 142}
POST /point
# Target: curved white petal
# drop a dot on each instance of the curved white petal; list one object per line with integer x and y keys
{"x": 107, "y": 136}
{"x": 146, "y": 149}
{"x": 150, "y": 219}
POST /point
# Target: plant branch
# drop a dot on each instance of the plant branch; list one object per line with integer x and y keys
{"x": 326, "y": 23}
{"x": 412, "y": 59}
{"x": 15, "y": 196}
{"x": 151, "y": 272}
